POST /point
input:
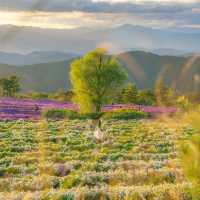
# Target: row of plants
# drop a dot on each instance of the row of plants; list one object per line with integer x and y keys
{"x": 137, "y": 160}
{"x": 118, "y": 114}
{"x": 161, "y": 192}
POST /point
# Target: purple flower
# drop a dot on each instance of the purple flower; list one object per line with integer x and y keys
{"x": 29, "y": 109}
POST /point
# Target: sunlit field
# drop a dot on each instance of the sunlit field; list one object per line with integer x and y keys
{"x": 62, "y": 160}
{"x": 99, "y": 100}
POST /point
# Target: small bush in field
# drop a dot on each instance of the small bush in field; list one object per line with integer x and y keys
{"x": 2, "y": 172}
{"x": 90, "y": 116}
{"x": 68, "y": 196}
{"x": 59, "y": 114}
{"x": 125, "y": 114}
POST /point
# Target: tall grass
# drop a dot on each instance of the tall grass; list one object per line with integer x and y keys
{"x": 190, "y": 154}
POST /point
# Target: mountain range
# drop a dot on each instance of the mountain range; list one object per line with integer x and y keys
{"x": 80, "y": 40}
{"x": 42, "y": 56}
{"x": 144, "y": 68}
{"x": 36, "y": 57}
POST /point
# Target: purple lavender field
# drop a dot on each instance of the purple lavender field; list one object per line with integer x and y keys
{"x": 28, "y": 109}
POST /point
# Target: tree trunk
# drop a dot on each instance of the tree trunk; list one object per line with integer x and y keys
{"x": 98, "y": 107}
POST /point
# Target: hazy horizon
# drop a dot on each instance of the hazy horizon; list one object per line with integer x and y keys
{"x": 79, "y": 26}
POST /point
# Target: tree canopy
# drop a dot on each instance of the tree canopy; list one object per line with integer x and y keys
{"x": 165, "y": 95}
{"x": 129, "y": 94}
{"x": 9, "y": 86}
{"x": 96, "y": 78}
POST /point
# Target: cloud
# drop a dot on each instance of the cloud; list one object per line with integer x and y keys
{"x": 101, "y": 13}
{"x": 106, "y": 6}
{"x": 147, "y": 1}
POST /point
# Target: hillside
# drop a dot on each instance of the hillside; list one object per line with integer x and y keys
{"x": 35, "y": 57}
{"x": 144, "y": 69}
{"x": 40, "y": 77}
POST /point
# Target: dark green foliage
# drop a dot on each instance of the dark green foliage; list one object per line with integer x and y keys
{"x": 9, "y": 86}
{"x": 2, "y": 172}
{"x": 125, "y": 114}
{"x": 59, "y": 114}
{"x": 115, "y": 156}
{"x": 129, "y": 94}
{"x": 59, "y": 95}
{"x": 68, "y": 196}
{"x": 96, "y": 195}
{"x": 146, "y": 97}
{"x": 38, "y": 95}
{"x": 164, "y": 95}
{"x": 170, "y": 177}
{"x": 126, "y": 146}
{"x": 90, "y": 115}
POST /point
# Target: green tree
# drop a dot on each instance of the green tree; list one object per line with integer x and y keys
{"x": 164, "y": 95}
{"x": 96, "y": 78}
{"x": 10, "y": 86}
{"x": 129, "y": 94}
{"x": 183, "y": 103}
{"x": 146, "y": 97}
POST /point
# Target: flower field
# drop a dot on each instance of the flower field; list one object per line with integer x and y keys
{"x": 27, "y": 109}
{"x": 62, "y": 161}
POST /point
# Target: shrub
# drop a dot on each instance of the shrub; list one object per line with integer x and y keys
{"x": 56, "y": 114}
{"x": 125, "y": 114}
{"x": 90, "y": 116}
{"x": 62, "y": 170}
{"x": 2, "y": 172}
{"x": 68, "y": 196}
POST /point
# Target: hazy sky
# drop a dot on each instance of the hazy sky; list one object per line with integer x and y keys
{"x": 101, "y": 13}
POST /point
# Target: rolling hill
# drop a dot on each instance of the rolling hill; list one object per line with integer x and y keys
{"x": 144, "y": 69}
{"x": 35, "y": 57}
{"x": 45, "y": 77}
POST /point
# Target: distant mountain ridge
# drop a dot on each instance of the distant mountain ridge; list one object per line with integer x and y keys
{"x": 144, "y": 69}
{"x": 171, "y": 52}
{"x": 82, "y": 40}
{"x": 36, "y": 57}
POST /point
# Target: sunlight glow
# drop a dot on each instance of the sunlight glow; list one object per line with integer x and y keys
{"x": 61, "y": 20}
{"x": 70, "y": 20}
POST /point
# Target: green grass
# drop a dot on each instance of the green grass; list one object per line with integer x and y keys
{"x": 61, "y": 160}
